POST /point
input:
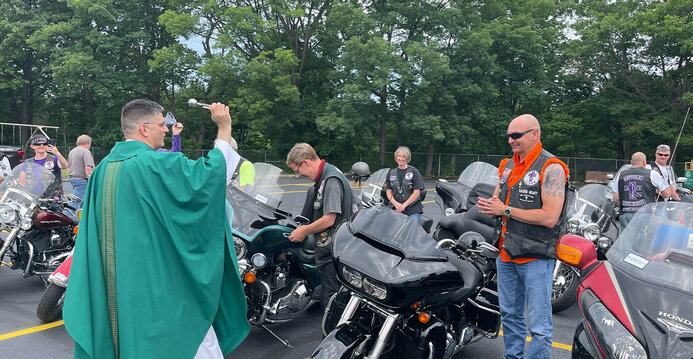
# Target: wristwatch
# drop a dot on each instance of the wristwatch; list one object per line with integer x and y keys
{"x": 507, "y": 212}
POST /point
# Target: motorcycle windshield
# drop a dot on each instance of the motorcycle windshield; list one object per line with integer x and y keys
{"x": 657, "y": 245}
{"x": 373, "y": 186}
{"x": 588, "y": 200}
{"x": 479, "y": 172}
{"x": 27, "y": 183}
{"x": 272, "y": 187}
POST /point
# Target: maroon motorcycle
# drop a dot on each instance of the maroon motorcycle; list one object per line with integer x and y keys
{"x": 638, "y": 303}
{"x": 37, "y": 227}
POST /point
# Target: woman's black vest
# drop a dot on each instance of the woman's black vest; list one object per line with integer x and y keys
{"x": 522, "y": 239}
{"x": 404, "y": 189}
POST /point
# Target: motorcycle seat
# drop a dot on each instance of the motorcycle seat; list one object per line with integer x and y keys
{"x": 306, "y": 254}
{"x": 472, "y": 220}
{"x": 470, "y": 276}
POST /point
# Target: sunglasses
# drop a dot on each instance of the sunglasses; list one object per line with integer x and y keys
{"x": 41, "y": 144}
{"x": 518, "y": 135}
{"x": 663, "y": 154}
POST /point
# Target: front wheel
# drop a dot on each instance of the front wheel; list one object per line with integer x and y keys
{"x": 565, "y": 285}
{"x": 50, "y": 307}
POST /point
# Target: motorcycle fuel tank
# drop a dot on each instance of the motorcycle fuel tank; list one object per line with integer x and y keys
{"x": 48, "y": 220}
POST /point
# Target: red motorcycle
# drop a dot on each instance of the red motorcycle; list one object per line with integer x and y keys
{"x": 50, "y": 307}
{"x": 639, "y": 303}
{"x": 40, "y": 226}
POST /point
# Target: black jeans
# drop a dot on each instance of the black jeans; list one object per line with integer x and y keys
{"x": 330, "y": 283}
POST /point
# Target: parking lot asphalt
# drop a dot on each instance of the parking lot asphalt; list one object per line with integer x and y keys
{"x": 24, "y": 336}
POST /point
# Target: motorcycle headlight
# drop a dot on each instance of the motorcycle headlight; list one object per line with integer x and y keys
{"x": 352, "y": 277}
{"x": 240, "y": 248}
{"x": 259, "y": 260}
{"x": 375, "y": 289}
{"x": 25, "y": 223}
{"x": 604, "y": 242}
{"x": 591, "y": 232}
{"x": 573, "y": 225}
{"x": 614, "y": 338}
{"x": 7, "y": 213}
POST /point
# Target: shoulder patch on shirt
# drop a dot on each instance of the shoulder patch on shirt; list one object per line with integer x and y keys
{"x": 506, "y": 174}
{"x": 409, "y": 175}
{"x": 531, "y": 178}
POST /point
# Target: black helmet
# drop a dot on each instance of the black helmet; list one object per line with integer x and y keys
{"x": 360, "y": 169}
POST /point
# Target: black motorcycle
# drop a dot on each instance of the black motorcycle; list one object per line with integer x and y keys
{"x": 453, "y": 197}
{"x": 405, "y": 294}
{"x": 40, "y": 226}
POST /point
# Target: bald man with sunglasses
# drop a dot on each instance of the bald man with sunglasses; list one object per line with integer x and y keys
{"x": 529, "y": 201}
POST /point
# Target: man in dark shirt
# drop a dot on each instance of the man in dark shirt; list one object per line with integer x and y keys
{"x": 332, "y": 205}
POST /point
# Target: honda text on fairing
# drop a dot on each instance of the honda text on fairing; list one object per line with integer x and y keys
{"x": 41, "y": 228}
{"x": 279, "y": 276}
{"x": 479, "y": 178}
{"x": 406, "y": 295}
{"x": 591, "y": 214}
{"x": 639, "y": 303}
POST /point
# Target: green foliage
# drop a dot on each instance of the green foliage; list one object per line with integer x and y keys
{"x": 354, "y": 78}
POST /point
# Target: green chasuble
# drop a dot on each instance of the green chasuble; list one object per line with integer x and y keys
{"x": 172, "y": 266}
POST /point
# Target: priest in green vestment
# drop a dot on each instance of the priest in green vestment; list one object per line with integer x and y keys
{"x": 154, "y": 272}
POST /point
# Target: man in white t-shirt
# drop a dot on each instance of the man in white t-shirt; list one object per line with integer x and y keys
{"x": 662, "y": 156}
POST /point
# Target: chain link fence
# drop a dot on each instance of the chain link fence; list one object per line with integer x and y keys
{"x": 445, "y": 165}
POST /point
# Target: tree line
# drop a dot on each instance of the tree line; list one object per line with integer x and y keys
{"x": 356, "y": 78}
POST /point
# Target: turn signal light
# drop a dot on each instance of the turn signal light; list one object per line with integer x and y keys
{"x": 568, "y": 254}
{"x": 424, "y": 318}
{"x": 74, "y": 230}
{"x": 249, "y": 277}
{"x": 416, "y": 305}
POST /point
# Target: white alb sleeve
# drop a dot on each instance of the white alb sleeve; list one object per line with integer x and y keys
{"x": 232, "y": 158}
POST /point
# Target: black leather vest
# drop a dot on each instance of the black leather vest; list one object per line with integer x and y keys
{"x": 404, "y": 189}
{"x": 329, "y": 171}
{"x": 635, "y": 189}
{"x": 522, "y": 239}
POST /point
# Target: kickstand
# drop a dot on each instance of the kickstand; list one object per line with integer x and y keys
{"x": 286, "y": 343}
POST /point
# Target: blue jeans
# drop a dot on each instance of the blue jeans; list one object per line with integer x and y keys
{"x": 521, "y": 286}
{"x": 79, "y": 186}
{"x": 625, "y": 218}
{"x": 416, "y": 217}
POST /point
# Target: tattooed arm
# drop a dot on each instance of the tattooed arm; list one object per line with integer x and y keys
{"x": 552, "y": 197}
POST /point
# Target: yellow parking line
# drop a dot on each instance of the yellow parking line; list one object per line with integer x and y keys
{"x": 31, "y": 330}
{"x": 553, "y": 344}
{"x": 60, "y": 322}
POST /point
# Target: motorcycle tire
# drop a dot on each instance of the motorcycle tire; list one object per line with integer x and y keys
{"x": 567, "y": 293}
{"x": 50, "y": 307}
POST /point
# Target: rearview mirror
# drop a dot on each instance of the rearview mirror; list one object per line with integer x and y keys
{"x": 681, "y": 180}
{"x": 609, "y": 176}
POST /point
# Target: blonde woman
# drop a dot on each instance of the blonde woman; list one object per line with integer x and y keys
{"x": 404, "y": 185}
